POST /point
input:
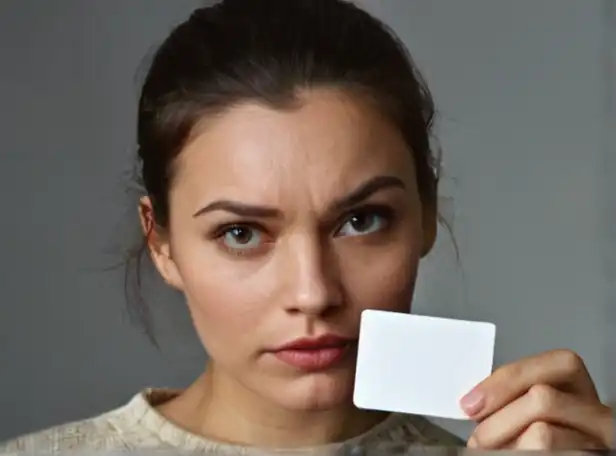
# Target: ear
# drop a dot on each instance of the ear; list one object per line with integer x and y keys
{"x": 158, "y": 245}
{"x": 430, "y": 227}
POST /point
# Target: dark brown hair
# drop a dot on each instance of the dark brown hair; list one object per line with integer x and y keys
{"x": 266, "y": 51}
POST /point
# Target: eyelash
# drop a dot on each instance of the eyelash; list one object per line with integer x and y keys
{"x": 220, "y": 232}
{"x": 385, "y": 212}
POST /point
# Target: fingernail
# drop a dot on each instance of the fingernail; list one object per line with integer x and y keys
{"x": 473, "y": 402}
{"x": 472, "y": 443}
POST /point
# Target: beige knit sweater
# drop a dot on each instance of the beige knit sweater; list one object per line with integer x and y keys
{"x": 137, "y": 425}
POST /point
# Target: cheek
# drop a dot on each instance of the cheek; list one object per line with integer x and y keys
{"x": 225, "y": 315}
{"x": 225, "y": 307}
{"x": 384, "y": 279}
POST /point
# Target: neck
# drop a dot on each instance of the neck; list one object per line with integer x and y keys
{"x": 220, "y": 409}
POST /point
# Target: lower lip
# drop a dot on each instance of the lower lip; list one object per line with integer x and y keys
{"x": 316, "y": 359}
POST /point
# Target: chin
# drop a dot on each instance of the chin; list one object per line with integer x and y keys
{"x": 315, "y": 391}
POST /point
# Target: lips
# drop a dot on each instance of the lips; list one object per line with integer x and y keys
{"x": 313, "y": 354}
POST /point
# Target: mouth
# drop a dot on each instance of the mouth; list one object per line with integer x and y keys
{"x": 316, "y": 354}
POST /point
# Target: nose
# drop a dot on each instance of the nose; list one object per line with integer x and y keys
{"x": 313, "y": 279}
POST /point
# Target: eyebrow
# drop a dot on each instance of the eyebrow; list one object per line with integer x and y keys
{"x": 366, "y": 190}
{"x": 357, "y": 196}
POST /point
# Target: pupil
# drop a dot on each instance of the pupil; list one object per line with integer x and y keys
{"x": 241, "y": 235}
{"x": 360, "y": 222}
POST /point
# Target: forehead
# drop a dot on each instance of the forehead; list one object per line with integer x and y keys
{"x": 325, "y": 144}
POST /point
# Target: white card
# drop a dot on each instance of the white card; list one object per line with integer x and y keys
{"x": 420, "y": 365}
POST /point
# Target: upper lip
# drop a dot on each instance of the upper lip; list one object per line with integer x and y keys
{"x": 316, "y": 343}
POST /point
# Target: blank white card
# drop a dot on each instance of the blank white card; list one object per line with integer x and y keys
{"x": 420, "y": 365}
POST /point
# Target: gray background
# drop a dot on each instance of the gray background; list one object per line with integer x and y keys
{"x": 520, "y": 86}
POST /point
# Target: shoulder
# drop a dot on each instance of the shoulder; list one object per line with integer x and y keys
{"x": 96, "y": 433}
{"x": 118, "y": 429}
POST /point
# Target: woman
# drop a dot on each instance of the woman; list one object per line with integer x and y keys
{"x": 289, "y": 184}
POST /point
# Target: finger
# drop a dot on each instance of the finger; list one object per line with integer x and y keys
{"x": 544, "y": 403}
{"x": 544, "y": 436}
{"x": 561, "y": 368}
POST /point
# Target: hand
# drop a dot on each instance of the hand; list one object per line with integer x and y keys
{"x": 545, "y": 402}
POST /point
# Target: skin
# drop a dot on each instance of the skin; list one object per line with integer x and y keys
{"x": 310, "y": 265}
{"x": 543, "y": 402}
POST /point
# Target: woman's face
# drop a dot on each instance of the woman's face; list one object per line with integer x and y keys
{"x": 287, "y": 224}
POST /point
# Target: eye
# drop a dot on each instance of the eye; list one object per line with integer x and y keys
{"x": 241, "y": 238}
{"x": 362, "y": 223}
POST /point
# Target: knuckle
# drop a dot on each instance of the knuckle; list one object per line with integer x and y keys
{"x": 540, "y": 435}
{"x": 542, "y": 397}
{"x": 570, "y": 361}
{"x": 509, "y": 371}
